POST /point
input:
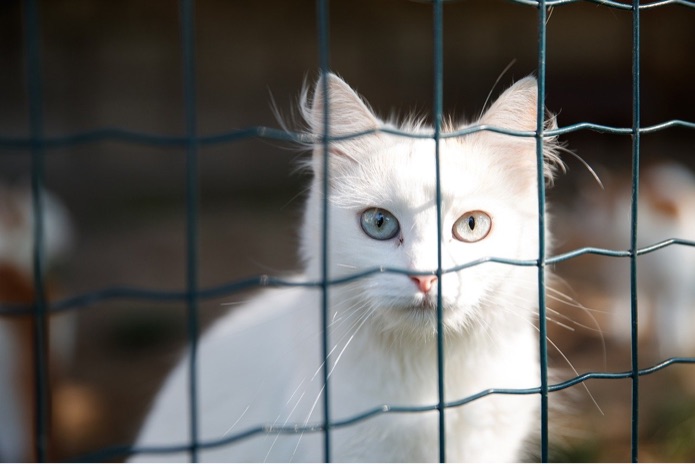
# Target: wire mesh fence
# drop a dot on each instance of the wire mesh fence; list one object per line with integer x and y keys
{"x": 37, "y": 145}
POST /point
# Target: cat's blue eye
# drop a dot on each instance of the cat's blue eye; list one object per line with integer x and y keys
{"x": 472, "y": 226}
{"x": 379, "y": 224}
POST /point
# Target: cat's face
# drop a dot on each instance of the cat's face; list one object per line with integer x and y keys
{"x": 383, "y": 214}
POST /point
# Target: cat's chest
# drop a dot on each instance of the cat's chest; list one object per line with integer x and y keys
{"x": 373, "y": 374}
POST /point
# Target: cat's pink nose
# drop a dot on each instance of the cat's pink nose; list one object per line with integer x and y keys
{"x": 424, "y": 283}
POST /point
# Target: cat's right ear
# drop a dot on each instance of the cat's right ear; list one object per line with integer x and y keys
{"x": 348, "y": 116}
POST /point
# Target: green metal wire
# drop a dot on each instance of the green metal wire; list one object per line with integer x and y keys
{"x": 540, "y": 182}
{"x": 634, "y": 326}
{"x": 12, "y": 143}
{"x": 40, "y": 146}
{"x": 132, "y": 293}
{"x": 187, "y": 12}
{"x": 322, "y": 20}
{"x": 40, "y": 314}
{"x": 438, "y": 36}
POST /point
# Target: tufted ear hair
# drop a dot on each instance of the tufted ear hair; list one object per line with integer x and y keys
{"x": 517, "y": 109}
{"x": 348, "y": 115}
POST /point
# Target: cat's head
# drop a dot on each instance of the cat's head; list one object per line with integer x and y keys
{"x": 382, "y": 210}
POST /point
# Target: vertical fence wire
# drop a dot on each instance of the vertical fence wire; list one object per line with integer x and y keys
{"x": 40, "y": 314}
{"x": 322, "y": 18}
{"x": 633, "y": 227}
{"x": 187, "y": 30}
{"x": 540, "y": 180}
{"x": 438, "y": 38}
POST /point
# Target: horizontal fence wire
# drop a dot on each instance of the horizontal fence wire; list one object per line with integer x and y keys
{"x": 13, "y": 143}
{"x": 267, "y": 281}
{"x": 39, "y": 145}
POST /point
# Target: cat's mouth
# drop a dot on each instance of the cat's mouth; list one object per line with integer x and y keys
{"x": 420, "y": 313}
{"x": 427, "y": 303}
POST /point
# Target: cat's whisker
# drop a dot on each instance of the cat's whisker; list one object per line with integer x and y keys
{"x": 589, "y": 312}
{"x": 355, "y": 308}
{"x": 497, "y": 81}
{"x": 233, "y": 303}
{"x": 576, "y": 324}
{"x": 340, "y": 316}
{"x": 275, "y": 438}
{"x": 571, "y": 301}
{"x": 515, "y": 314}
{"x": 560, "y": 324}
{"x": 301, "y": 194}
{"x": 576, "y": 373}
{"x": 558, "y": 296}
{"x": 485, "y": 325}
{"x": 288, "y": 416}
{"x": 365, "y": 317}
{"x": 567, "y": 326}
{"x": 574, "y": 304}
{"x": 299, "y": 399}
{"x": 228, "y": 431}
{"x": 584, "y": 163}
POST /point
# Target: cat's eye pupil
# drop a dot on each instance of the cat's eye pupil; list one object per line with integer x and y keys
{"x": 379, "y": 224}
{"x": 472, "y": 226}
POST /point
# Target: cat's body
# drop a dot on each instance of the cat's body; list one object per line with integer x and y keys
{"x": 261, "y": 364}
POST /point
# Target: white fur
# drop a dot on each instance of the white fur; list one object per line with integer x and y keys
{"x": 260, "y": 365}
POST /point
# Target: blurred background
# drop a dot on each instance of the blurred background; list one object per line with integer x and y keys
{"x": 122, "y": 221}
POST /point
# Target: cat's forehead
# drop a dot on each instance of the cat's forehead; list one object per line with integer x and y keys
{"x": 403, "y": 173}
{"x": 414, "y": 162}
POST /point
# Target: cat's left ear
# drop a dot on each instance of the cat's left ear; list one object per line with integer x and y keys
{"x": 348, "y": 115}
{"x": 517, "y": 109}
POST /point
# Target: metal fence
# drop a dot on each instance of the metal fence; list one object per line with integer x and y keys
{"x": 38, "y": 144}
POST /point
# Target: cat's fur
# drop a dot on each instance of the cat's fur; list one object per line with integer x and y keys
{"x": 261, "y": 364}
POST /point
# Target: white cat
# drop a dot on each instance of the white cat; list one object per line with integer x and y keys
{"x": 261, "y": 364}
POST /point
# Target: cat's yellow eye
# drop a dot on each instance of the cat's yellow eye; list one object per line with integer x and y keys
{"x": 472, "y": 226}
{"x": 379, "y": 224}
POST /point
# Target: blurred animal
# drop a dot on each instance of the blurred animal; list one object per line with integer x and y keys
{"x": 666, "y": 277}
{"x": 17, "y": 381}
